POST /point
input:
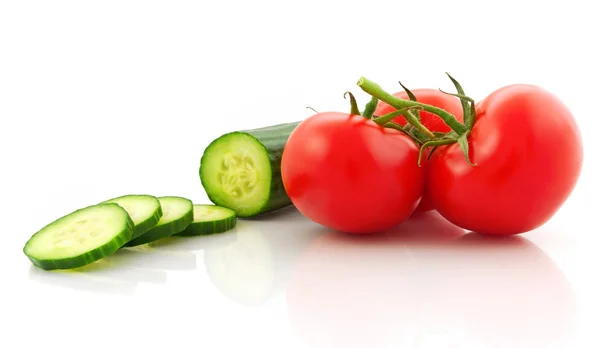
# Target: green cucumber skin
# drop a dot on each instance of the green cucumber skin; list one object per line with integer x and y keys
{"x": 202, "y": 228}
{"x": 273, "y": 138}
{"x": 163, "y": 231}
{"x": 146, "y": 225}
{"x": 89, "y": 257}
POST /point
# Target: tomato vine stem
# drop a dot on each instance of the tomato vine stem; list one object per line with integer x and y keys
{"x": 370, "y": 108}
{"x": 406, "y": 112}
{"x": 376, "y": 91}
{"x": 434, "y": 143}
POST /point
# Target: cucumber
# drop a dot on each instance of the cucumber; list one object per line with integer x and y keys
{"x": 177, "y": 215}
{"x": 241, "y": 170}
{"x": 80, "y": 238}
{"x": 144, "y": 210}
{"x": 210, "y": 219}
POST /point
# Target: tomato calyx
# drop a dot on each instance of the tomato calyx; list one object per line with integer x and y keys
{"x": 414, "y": 129}
{"x": 376, "y": 91}
{"x": 468, "y": 104}
{"x": 353, "y": 104}
{"x": 409, "y": 109}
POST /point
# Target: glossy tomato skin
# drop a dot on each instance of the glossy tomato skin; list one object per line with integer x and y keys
{"x": 433, "y": 122}
{"x": 529, "y": 154}
{"x": 349, "y": 174}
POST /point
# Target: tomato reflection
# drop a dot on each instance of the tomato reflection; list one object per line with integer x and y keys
{"x": 427, "y": 282}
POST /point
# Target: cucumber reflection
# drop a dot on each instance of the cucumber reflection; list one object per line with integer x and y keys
{"x": 150, "y": 257}
{"x": 254, "y": 265}
{"x": 121, "y": 272}
{"x": 83, "y": 281}
{"x": 428, "y": 284}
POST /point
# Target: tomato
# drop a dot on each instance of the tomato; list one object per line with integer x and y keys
{"x": 350, "y": 174}
{"x": 528, "y": 154}
{"x": 433, "y": 122}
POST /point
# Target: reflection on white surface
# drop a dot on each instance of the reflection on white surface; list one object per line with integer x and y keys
{"x": 85, "y": 281}
{"x": 121, "y": 272}
{"x": 196, "y": 243}
{"x": 244, "y": 269}
{"x": 427, "y": 284}
{"x": 154, "y": 258}
{"x": 250, "y": 268}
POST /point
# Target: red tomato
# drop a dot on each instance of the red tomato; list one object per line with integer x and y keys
{"x": 433, "y": 122}
{"x": 350, "y": 174}
{"x": 529, "y": 154}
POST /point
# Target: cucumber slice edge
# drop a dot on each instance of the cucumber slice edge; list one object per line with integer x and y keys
{"x": 168, "y": 224}
{"x": 45, "y": 259}
{"x": 210, "y": 219}
{"x": 143, "y": 219}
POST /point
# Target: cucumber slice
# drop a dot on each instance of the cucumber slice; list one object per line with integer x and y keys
{"x": 241, "y": 170}
{"x": 144, "y": 210}
{"x": 80, "y": 238}
{"x": 177, "y": 215}
{"x": 210, "y": 219}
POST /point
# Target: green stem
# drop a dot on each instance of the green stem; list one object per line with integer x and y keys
{"x": 413, "y": 120}
{"x": 375, "y": 90}
{"x": 433, "y": 143}
{"x": 353, "y": 105}
{"x": 383, "y": 119}
{"x": 370, "y": 108}
{"x": 397, "y": 127}
{"x": 468, "y": 105}
{"x": 409, "y": 116}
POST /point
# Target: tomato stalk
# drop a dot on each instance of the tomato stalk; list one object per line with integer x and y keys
{"x": 376, "y": 91}
{"x": 460, "y": 132}
{"x": 397, "y": 127}
{"x": 381, "y": 120}
{"x": 370, "y": 108}
{"x": 411, "y": 118}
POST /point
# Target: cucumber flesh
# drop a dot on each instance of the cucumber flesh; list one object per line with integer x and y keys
{"x": 144, "y": 210}
{"x": 80, "y": 238}
{"x": 241, "y": 170}
{"x": 177, "y": 215}
{"x": 210, "y": 219}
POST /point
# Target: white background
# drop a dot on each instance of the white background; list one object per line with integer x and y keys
{"x": 103, "y": 98}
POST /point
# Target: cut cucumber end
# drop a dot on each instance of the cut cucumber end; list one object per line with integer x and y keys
{"x": 145, "y": 211}
{"x": 80, "y": 238}
{"x": 210, "y": 219}
{"x": 177, "y": 214}
{"x": 235, "y": 172}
